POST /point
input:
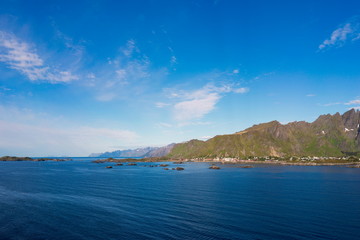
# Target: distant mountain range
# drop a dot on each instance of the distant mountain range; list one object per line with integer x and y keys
{"x": 329, "y": 135}
{"x": 139, "y": 152}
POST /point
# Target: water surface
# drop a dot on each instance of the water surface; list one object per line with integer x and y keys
{"x": 84, "y": 200}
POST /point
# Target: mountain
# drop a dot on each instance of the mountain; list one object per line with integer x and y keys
{"x": 139, "y": 152}
{"x": 329, "y": 135}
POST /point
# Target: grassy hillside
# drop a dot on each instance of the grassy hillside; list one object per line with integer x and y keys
{"x": 329, "y": 135}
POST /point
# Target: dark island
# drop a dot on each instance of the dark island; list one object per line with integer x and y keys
{"x": 15, "y": 159}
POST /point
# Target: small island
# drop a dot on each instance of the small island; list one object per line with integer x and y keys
{"x": 16, "y": 159}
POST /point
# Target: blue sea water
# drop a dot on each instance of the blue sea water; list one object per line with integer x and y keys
{"x": 83, "y": 200}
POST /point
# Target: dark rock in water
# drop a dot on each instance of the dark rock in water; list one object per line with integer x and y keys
{"x": 108, "y": 167}
{"x": 178, "y": 162}
{"x": 214, "y": 167}
{"x": 179, "y": 168}
{"x": 131, "y": 164}
{"x": 98, "y": 161}
{"x": 166, "y": 169}
{"x": 246, "y": 166}
{"x": 119, "y": 164}
{"x": 164, "y": 165}
{"x": 103, "y": 160}
{"x": 10, "y": 159}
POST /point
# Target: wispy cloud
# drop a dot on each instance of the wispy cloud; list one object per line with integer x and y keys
{"x": 74, "y": 48}
{"x": 130, "y": 48}
{"x": 165, "y": 125}
{"x": 195, "y": 108}
{"x": 348, "y": 31}
{"x": 129, "y": 73}
{"x": 310, "y": 95}
{"x": 204, "y": 138}
{"x": 196, "y": 104}
{"x": 330, "y": 104}
{"x": 173, "y": 59}
{"x": 21, "y": 56}
{"x": 353, "y": 102}
{"x": 161, "y": 104}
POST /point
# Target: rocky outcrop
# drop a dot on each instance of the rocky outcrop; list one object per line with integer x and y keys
{"x": 214, "y": 167}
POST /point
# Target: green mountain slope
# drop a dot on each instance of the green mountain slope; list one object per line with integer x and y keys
{"x": 329, "y": 135}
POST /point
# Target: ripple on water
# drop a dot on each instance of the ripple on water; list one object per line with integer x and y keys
{"x": 82, "y": 200}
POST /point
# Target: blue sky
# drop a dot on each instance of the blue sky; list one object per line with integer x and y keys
{"x": 78, "y": 77}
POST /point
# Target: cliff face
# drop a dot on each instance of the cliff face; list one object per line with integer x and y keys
{"x": 329, "y": 135}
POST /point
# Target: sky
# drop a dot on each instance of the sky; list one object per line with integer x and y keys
{"x": 81, "y": 77}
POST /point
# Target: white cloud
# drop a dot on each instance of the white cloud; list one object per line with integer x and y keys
{"x": 20, "y": 56}
{"x": 166, "y": 125}
{"x": 173, "y": 60}
{"x": 236, "y": 71}
{"x": 204, "y": 138}
{"x": 196, "y": 108}
{"x": 75, "y": 49}
{"x": 130, "y": 48}
{"x": 91, "y": 76}
{"x": 330, "y": 104}
{"x": 127, "y": 75}
{"x": 347, "y": 31}
{"x": 121, "y": 73}
{"x": 161, "y": 104}
{"x": 240, "y": 90}
{"x": 198, "y": 103}
{"x": 353, "y": 102}
{"x": 310, "y": 95}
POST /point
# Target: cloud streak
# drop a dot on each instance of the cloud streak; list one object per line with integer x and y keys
{"x": 129, "y": 74}
{"x": 195, "y": 108}
{"x": 345, "y": 32}
{"x": 20, "y": 56}
{"x": 194, "y": 105}
{"x": 353, "y": 102}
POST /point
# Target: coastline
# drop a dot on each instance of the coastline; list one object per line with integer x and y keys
{"x": 326, "y": 162}
{"x": 237, "y": 161}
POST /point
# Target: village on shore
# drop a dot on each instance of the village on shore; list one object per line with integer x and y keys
{"x": 350, "y": 161}
{"x": 249, "y": 162}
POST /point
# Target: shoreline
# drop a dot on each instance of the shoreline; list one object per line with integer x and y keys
{"x": 354, "y": 164}
{"x": 269, "y": 162}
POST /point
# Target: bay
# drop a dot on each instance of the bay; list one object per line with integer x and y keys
{"x": 83, "y": 200}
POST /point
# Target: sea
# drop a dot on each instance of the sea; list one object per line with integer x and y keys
{"x": 83, "y": 200}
